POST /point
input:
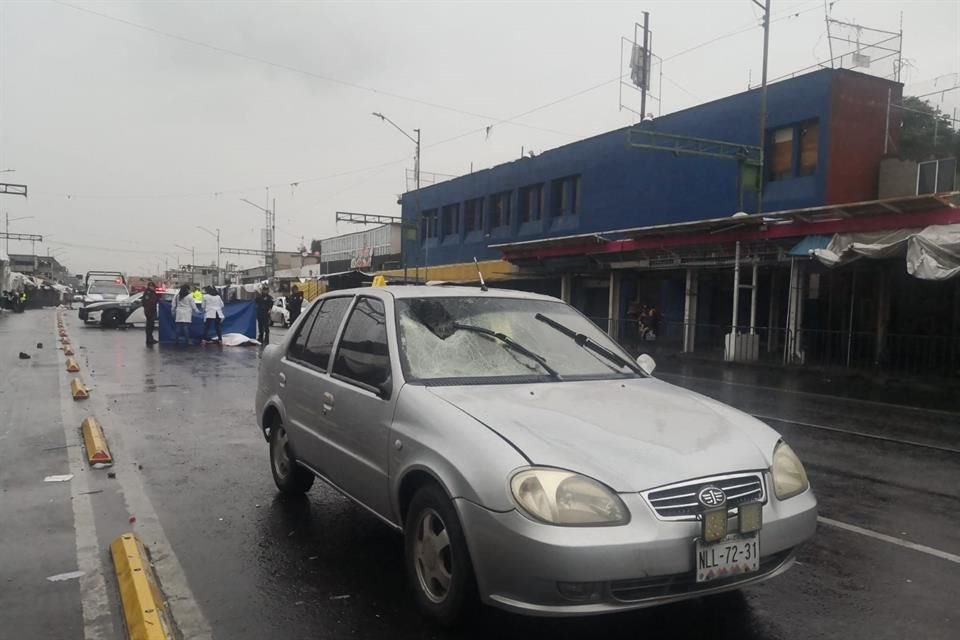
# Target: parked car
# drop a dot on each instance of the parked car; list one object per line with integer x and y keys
{"x": 525, "y": 456}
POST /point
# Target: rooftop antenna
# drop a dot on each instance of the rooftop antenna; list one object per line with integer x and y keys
{"x": 483, "y": 285}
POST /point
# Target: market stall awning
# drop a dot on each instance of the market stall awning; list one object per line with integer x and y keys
{"x": 808, "y": 244}
{"x": 932, "y": 253}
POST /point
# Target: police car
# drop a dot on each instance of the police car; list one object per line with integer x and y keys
{"x": 123, "y": 312}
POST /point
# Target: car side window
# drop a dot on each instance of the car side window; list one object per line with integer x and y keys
{"x": 299, "y": 343}
{"x": 319, "y": 342}
{"x": 363, "y": 354}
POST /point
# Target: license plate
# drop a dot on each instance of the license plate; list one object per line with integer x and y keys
{"x": 733, "y": 556}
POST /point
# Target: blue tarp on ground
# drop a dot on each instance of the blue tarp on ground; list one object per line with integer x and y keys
{"x": 239, "y": 317}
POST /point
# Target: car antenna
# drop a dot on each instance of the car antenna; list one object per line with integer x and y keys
{"x": 483, "y": 285}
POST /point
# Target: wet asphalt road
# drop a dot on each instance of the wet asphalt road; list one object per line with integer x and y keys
{"x": 255, "y": 565}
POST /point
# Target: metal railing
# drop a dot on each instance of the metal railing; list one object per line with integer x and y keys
{"x": 867, "y": 350}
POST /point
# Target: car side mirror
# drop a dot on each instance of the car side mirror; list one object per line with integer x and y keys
{"x": 646, "y": 363}
{"x": 385, "y": 388}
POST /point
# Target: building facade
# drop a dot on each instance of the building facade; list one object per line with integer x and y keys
{"x": 825, "y": 139}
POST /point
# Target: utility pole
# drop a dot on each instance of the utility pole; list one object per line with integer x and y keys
{"x": 416, "y": 171}
{"x": 763, "y": 99}
{"x": 646, "y": 65}
{"x": 270, "y": 228}
{"x": 217, "y": 236}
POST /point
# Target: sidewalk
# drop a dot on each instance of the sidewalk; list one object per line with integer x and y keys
{"x": 880, "y": 387}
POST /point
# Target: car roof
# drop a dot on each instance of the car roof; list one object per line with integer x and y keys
{"x": 443, "y": 291}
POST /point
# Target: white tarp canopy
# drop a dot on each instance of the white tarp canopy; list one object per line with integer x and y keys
{"x": 932, "y": 253}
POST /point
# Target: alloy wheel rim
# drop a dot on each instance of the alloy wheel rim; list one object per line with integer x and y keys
{"x": 432, "y": 556}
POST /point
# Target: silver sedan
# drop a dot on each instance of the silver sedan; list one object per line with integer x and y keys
{"x": 524, "y": 455}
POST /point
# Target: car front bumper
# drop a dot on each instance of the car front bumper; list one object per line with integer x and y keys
{"x": 520, "y": 564}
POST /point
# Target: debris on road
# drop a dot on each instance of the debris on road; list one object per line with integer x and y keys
{"x": 61, "y": 478}
{"x": 39, "y": 345}
{"x": 112, "y": 474}
{"x": 24, "y": 356}
{"x": 340, "y": 597}
{"x": 60, "y": 577}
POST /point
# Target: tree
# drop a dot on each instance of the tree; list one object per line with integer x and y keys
{"x": 315, "y": 246}
{"x": 921, "y": 122}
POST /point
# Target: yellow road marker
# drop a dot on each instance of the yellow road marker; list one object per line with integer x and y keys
{"x": 144, "y": 610}
{"x": 78, "y": 390}
{"x": 95, "y": 442}
{"x": 72, "y": 365}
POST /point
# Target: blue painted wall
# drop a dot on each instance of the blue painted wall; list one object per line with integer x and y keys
{"x": 625, "y": 187}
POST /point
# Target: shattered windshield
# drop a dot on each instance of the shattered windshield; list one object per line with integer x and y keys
{"x": 440, "y": 340}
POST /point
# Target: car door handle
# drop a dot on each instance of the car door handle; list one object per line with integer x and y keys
{"x": 283, "y": 379}
{"x": 327, "y": 402}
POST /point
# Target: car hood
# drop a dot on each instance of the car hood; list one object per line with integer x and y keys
{"x": 632, "y": 434}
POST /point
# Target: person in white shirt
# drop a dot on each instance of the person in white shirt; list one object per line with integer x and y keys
{"x": 183, "y": 308}
{"x": 212, "y": 313}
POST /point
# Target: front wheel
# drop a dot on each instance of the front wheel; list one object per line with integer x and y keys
{"x": 289, "y": 477}
{"x": 438, "y": 563}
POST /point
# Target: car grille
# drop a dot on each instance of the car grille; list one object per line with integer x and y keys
{"x": 679, "y": 501}
{"x": 661, "y": 586}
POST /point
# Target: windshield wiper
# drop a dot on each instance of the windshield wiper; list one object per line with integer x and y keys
{"x": 512, "y": 344}
{"x": 588, "y": 343}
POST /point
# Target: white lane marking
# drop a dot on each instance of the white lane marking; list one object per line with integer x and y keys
{"x": 97, "y": 619}
{"x": 922, "y": 548}
{"x": 861, "y": 434}
{"x": 187, "y": 615}
{"x": 876, "y": 403}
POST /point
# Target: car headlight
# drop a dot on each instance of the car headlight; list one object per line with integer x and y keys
{"x": 555, "y": 496}
{"x": 789, "y": 477}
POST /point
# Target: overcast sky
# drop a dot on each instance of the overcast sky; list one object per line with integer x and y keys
{"x": 129, "y": 138}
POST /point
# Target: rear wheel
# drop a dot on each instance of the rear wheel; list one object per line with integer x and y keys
{"x": 289, "y": 477}
{"x": 438, "y": 564}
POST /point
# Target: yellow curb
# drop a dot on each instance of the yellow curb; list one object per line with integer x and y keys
{"x": 72, "y": 365}
{"x": 143, "y": 607}
{"x": 95, "y": 442}
{"x": 78, "y": 390}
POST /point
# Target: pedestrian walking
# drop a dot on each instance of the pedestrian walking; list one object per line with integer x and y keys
{"x": 150, "y": 300}
{"x": 264, "y": 303}
{"x": 183, "y": 308}
{"x": 212, "y": 313}
{"x": 294, "y": 303}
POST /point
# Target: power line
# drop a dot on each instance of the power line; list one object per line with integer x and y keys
{"x": 745, "y": 29}
{"x": 290, "y": 68}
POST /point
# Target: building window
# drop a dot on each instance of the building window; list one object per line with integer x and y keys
{"x": 780, "y": 162}
{"x": 565, "y": 197}
{"x": 473, "y": 215}
{"x": 500, "y": 210}
{"x": 531, "y": 203}
{"x": 450, "y": 220}
{"x": 428, "y": 224}
{"x": 809, "y": 146}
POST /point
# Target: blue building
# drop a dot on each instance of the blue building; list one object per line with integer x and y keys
{"x": 604, "y": 183}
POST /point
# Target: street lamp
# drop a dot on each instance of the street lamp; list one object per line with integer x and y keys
{"x": 416, "y": 173}
{"x": 217, "y": 236}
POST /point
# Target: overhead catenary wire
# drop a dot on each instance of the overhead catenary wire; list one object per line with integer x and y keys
{"x": 291, "y": 68}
